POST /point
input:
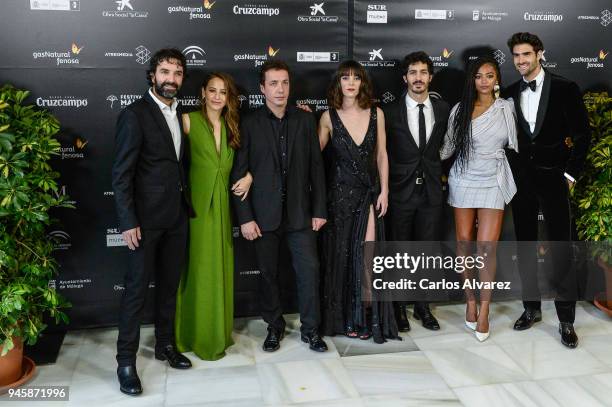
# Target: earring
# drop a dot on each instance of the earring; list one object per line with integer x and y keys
{"x": 496, "y": 90}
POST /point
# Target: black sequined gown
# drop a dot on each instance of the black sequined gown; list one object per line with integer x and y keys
{"x": 353, "y": 186}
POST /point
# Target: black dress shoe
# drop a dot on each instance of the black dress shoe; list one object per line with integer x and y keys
{"x": 527, "y": 319}
{"x": 568, "y": 335}
{"x": 400, "y": 318}
{"x": 129, "y": 382}
{"x": 174, "y": 358}
{"x": 426, "y": 317}
{"x": 272, "y": 342}
{"x": 314, "y": 341}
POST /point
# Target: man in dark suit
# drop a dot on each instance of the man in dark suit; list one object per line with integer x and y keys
{"x": 152, "y": 200}
{"x": 553, "y": 140}
{"x": 415, "y": 127}
{"x": 287, "y": 202}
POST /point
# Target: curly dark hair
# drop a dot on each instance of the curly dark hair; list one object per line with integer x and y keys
{"x": 165, "y": 54}
{"x": 525, "y": 38}
{"x": 413, "y": 58}
{"x": 462, "y": 123}
{"x": 334, "y": 92}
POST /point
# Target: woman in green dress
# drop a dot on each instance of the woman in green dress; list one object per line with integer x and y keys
{"x": 205, "y": 299}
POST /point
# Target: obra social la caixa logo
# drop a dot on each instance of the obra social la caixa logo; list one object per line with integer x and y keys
{"x": 258, "y": 59}
{"x": 66, "y": 58}
{"x": 317, "y": 15}
{"x": 596, "y": 61}
{"x": 376, "y": 59}
{"x": 125, "y": 9}
{"x": 202, "y": 12}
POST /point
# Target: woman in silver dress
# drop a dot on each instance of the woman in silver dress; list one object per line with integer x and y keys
{"x": 480, "y": 126}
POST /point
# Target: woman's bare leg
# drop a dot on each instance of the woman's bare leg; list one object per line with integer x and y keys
{"x": 489, "y": 228}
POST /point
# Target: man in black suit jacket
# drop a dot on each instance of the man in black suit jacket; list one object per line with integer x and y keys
{"x": 415, "y": 127}
{"x": 152, "y": 200}
{"x": 553, "y": 140}
{"x": 280, "y": 148}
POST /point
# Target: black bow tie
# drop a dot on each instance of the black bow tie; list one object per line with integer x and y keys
{"x": 531, "y": 85}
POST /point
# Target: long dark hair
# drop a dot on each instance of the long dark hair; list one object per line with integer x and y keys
{"x": 334, "y": 92}
{"x": 230, "y": 111}
{"x": 462, "y": 124}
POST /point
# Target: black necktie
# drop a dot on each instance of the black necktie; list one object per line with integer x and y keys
{"x": 422, "y": 130}
{"x": 531, "y": 85}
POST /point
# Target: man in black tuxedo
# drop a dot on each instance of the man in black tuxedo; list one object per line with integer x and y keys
{"x": 152, "y": 200}
{"x": 553, "y": 139}
{"x": 415, "y": 127}
{"x": 280, "y": 148}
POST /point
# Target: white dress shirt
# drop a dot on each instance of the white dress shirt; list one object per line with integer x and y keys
{"x": 171, "y": 117}
{"x": 530, "y": 102}
{"x": 413, "y": 117}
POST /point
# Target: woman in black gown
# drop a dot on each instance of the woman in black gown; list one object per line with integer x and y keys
{"x": 357, "y": 201}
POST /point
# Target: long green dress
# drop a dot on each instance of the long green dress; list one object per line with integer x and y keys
{"x": 205, "y": 300}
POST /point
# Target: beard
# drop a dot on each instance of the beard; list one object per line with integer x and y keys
{"x": 166, "y": 93}
{"x": 418, "y": 91}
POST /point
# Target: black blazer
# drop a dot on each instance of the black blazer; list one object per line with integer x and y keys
{"x": 404, "y": 155}
{"x": 149, "y": 182}
{"x": 561, "y": 115}
{"x": 258, "y": 154}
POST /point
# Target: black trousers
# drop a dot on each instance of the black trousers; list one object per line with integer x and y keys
{"x": 414, "y": 220}
{"x": 162, "y": 254}
{"x": 546, "y": 189}
{"x": 303, "y": 248}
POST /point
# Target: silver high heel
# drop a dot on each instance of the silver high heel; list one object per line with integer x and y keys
{"x": 470, "y": 325}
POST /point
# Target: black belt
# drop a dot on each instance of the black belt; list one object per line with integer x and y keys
{"x": 420, "y": 177}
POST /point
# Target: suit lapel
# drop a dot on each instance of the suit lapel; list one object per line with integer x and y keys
{"x": 179, "y": 116}
{"x": 519, "y": 112}
{"x": 543, "y": 105}
{"x": 291, "y": 135}
{"x": 436, "y": 112}
{"x": 161, "y": 123}
{"x": 269, "y": 134}
{"x": 404, "y": 114}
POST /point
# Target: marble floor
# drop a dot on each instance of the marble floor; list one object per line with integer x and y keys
{"x": 444, "y": 368}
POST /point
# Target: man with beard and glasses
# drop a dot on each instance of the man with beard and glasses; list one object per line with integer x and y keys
{"x": 153, "y": 205}
{"x": 415, "y": 126}
{"x": 553, "y": 141}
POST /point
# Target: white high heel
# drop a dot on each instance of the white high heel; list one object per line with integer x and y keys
{"x": 481, "y": 336}
{"x": 470, "y": 325}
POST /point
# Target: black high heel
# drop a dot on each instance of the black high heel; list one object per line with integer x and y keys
{"x": 364, "y": 333}
{"x": 350, "y": 331}
{"x": 377, "y": 331}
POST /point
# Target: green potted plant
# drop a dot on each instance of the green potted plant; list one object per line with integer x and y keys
{"x": 28, "y": 191}
{"x": 592, "y": 196}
